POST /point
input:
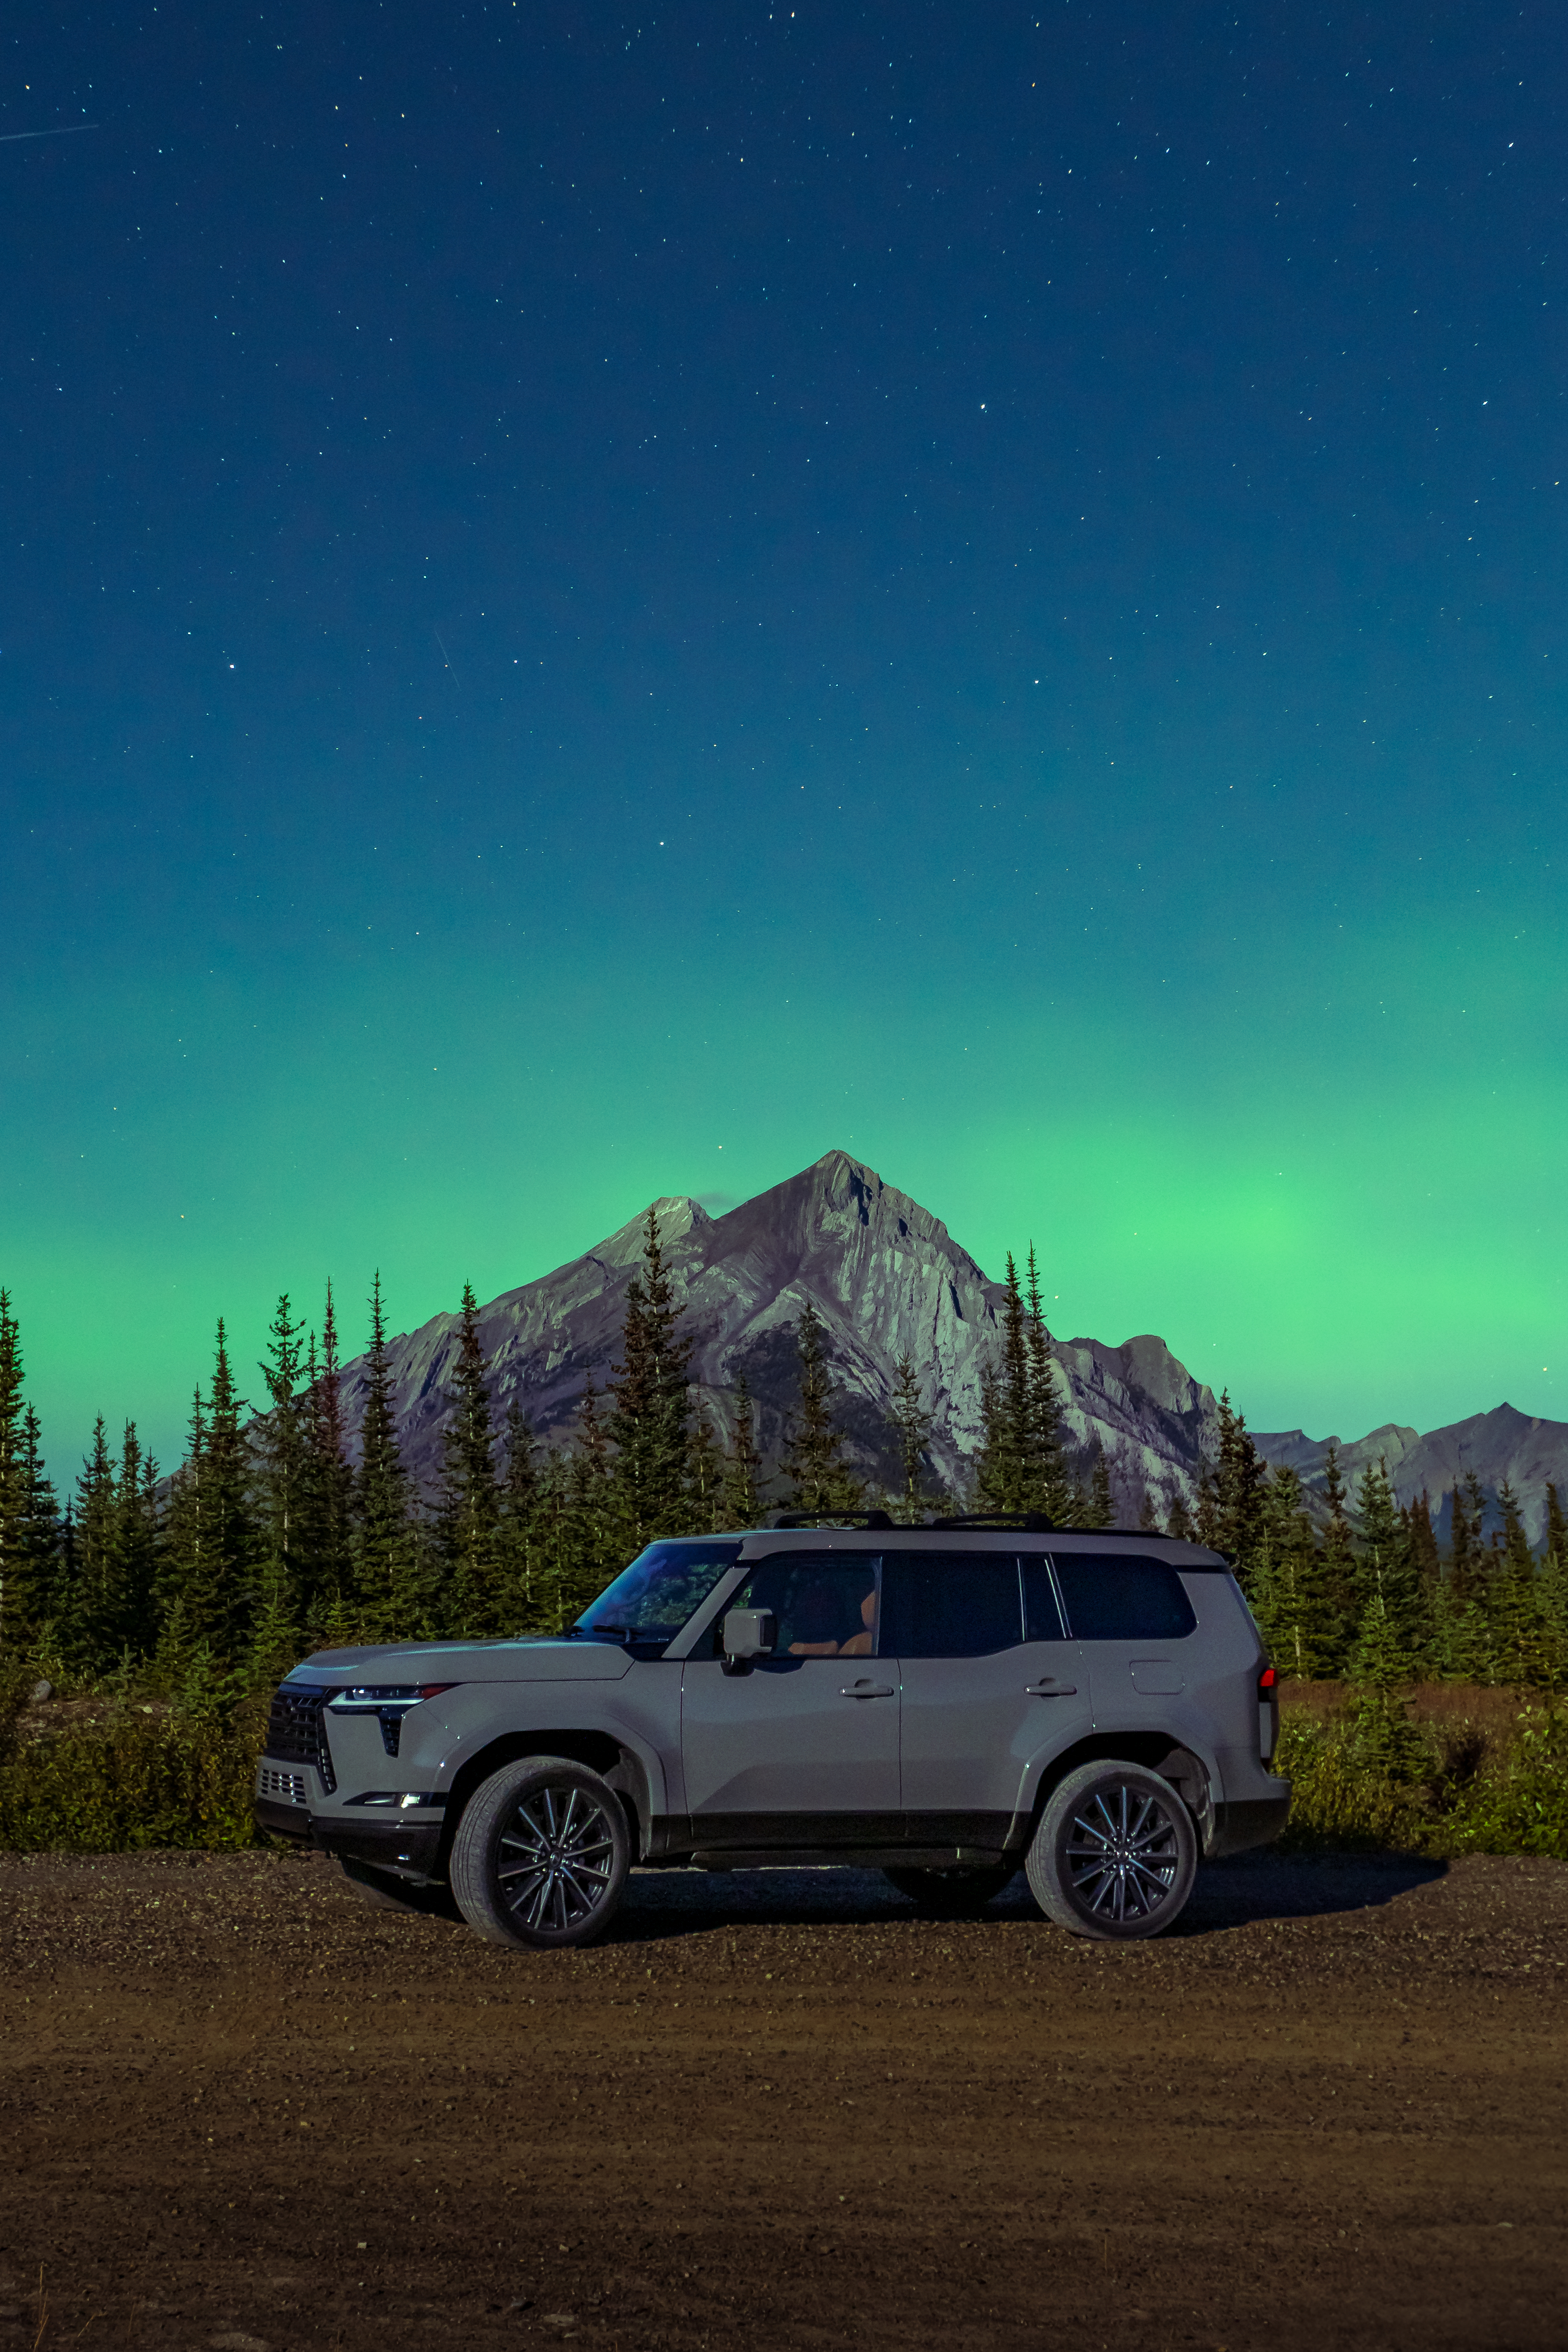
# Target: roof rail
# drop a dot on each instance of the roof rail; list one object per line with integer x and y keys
{"x": 876, "y": 1520}
{"x": 1031, "y": 1523}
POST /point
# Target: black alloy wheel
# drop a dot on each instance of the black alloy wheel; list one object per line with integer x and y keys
{"x": 1114, "y": 1854}
{"x": 541, "y": 1855}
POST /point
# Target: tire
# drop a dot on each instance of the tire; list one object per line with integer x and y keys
{"x": 1114, "y": 1854}
{"x": 541, "y": 1855}
{"x": 961, "y": 1891}
{"x": 384, "y": 1891}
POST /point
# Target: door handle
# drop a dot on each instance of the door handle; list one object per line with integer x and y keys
{"x": 1051, "y": 1690}
{"x": 866, "y": 1690}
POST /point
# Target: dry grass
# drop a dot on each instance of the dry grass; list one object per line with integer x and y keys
{"x": 1443, "y": 1705}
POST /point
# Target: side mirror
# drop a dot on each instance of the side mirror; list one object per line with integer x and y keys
{"x": 746, "y": 1634}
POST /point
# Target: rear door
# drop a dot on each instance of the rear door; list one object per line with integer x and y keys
{"x": 990, "y": 1683}
{"x": 801, "y": 1750}
{"x": 1136, "y": 1626}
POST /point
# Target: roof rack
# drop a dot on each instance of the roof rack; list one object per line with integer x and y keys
{"x": 876, "y": 1520}
{"x": 1031, "y": 1523}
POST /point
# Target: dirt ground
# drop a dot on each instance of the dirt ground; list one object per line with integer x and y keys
{"x": 242, "y": 2109}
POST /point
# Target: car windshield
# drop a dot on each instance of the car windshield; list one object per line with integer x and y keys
{"x": 652, "y": 1600}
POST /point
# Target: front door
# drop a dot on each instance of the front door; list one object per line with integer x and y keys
{"x": 990, "y": 1684}
{"x": 801, "y": 1750}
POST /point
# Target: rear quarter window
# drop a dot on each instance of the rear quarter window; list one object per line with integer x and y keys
{"x": 1117, "y": 1597}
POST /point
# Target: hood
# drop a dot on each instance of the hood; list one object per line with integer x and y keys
{"x": 540, "y": 1658}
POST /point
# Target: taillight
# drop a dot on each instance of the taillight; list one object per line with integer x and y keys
{"x": 1267, "y": 1683}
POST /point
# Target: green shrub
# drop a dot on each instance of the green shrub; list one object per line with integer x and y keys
{"x": 1365, "y": 1781}
{"x": 1522, "y": 1806}
{"x": 126, "y": 1780}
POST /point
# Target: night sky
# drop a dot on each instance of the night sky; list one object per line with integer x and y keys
{"x": 595, "y": 603}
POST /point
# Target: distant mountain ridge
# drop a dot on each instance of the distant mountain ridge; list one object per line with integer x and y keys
{"x": 887, "y": 1278}
{"x": 1500, "y": 1445}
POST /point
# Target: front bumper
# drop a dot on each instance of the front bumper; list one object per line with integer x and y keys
{"x": 289, "y": 1802}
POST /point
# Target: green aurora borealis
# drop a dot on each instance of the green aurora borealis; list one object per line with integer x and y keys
{"x": 1029, "y": 653}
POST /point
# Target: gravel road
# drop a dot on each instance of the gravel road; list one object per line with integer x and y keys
{"x": 242, "y": 2109}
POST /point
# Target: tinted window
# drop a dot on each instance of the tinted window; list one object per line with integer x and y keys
{"x": 949, "y": 1604}
{"x": 825, "y": 1602}
{"x": 1112, "y": 1598}
{"x": 1041, "y": 1611}
{"x": 653, "y": 1599}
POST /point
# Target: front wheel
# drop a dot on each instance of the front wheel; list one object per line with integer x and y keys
{"x": 1114, "y": 1854}
{"x": 958, "y": 1891}
{"x": 541, "y": 1855}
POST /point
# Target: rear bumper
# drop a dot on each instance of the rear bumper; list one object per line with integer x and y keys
{"x": 1248, "y": 1822}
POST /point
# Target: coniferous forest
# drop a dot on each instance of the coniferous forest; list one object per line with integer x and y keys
{"x": 144, "y": 1616}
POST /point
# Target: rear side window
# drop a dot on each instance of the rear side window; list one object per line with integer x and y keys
{"x": 1110, "y": 1597}
{"x": 949, "y": 1604}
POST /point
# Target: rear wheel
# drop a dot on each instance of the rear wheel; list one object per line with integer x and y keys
{"x": 541, "y": 1855}
{"x": 1114, "y": 1854}
{"x": 960, "y": 1890}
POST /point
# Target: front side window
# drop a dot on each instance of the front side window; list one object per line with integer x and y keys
{"x": 653, "y": 1599}
{"x": 950, "y": 1604}
{"x": 1111, "y": 1597}
{"x": 825, "y": 1602}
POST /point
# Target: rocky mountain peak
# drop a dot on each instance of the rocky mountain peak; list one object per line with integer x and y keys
{"x": 889, "y": 1280}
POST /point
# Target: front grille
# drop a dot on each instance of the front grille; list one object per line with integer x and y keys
{"x": 288, "y": 1787}
{"x": 297, "y": 1731}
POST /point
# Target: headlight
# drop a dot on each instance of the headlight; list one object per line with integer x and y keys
{"x": 390, "y": 1702}
{"x": 369, "y": 1698}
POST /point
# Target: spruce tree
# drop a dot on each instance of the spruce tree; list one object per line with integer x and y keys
{"x": 1339, "y": 1560}
{"x": 589, "y": 1545}
{"x": 1148, "y": 1513}
{"x": 1386, "y": 1566}
{"x": 326, "y": 1566}
{"x": 1099, "y": 1503}
{"x": 389, "y": 1599}
{"x": 1238, "y": 1496}
{"x": 1206, "y": 1517}
{"x": 1521, "y": 1631}
{"x": 1022, "y": 1463}
{"x": 1421, "y": 1544}
{"x": 137, "y": 1534}
{"x": 819, "y": 1479}
{"x": 11, "y": 1479}
{"x": 1293, "y": 1603}
{"x": 94, "y": 1632}
{"x": 468, "y": 1509}
{"x": 228, "y": 1474}
{"x": 910, "y": 1423}
{"x": 282, "y": 1479}
{"x": 651, "y": 1406}
{"x": 1003, "y": 1476}
{"x": 34, "y": 1579}
{"x": 187, "y": 1597}
{"x": 1381, "y": 1666}
{"x": 1046, "y": 1488}
{"x": 704, "y": 1479}
{"x": 520, "y": 1532}
{"x": 1556, "y": 1524}
{"x": 742, "y": 1495}
{"x": 1179, "y": 1522}
{"x": 1467, "y": 1567}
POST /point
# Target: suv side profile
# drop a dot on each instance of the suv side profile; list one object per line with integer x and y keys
{"x": 947, "y": 1703}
